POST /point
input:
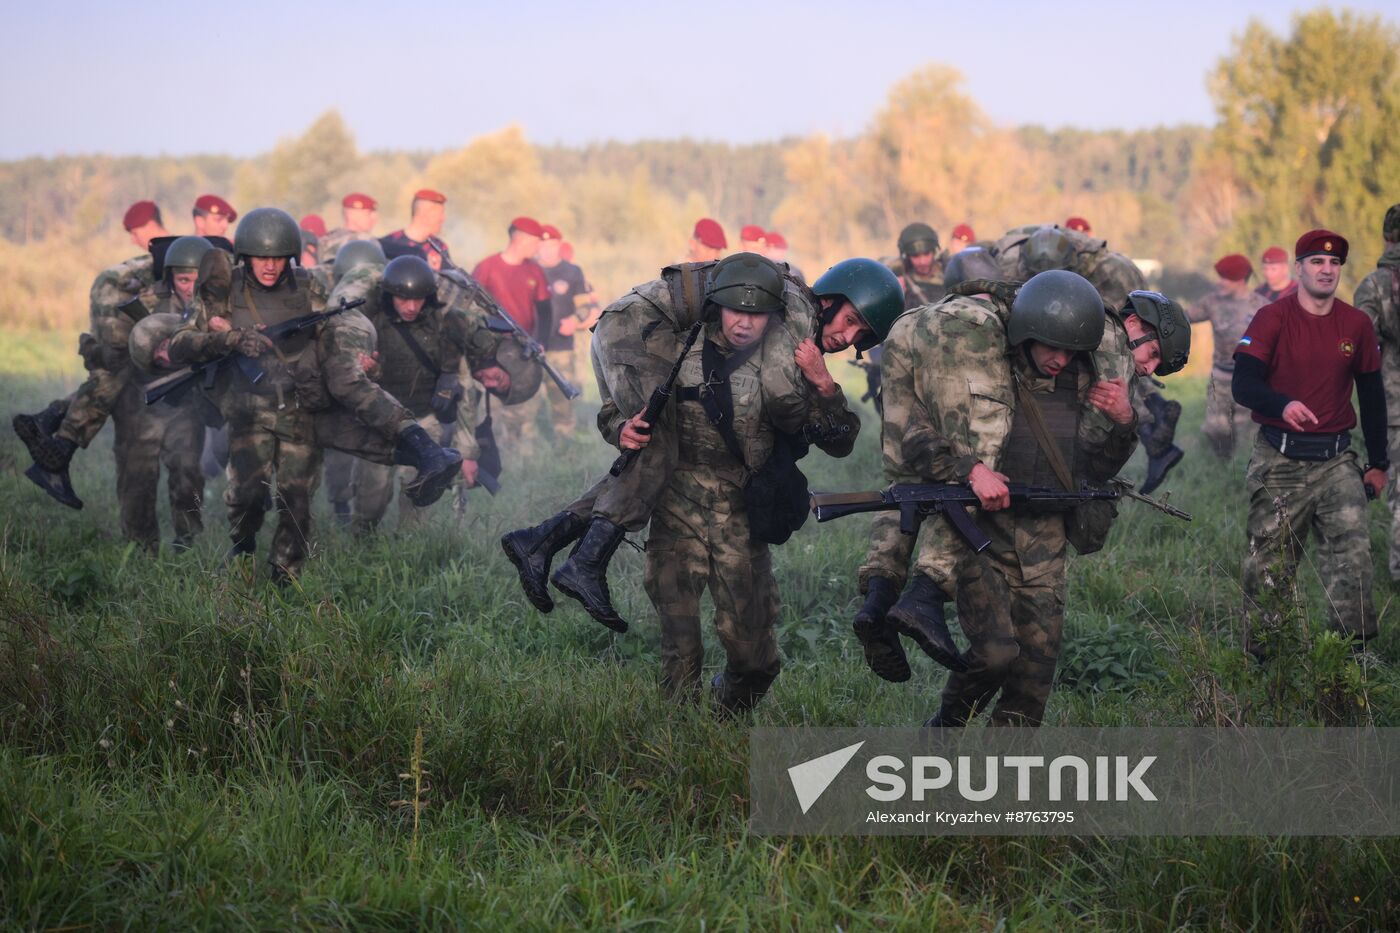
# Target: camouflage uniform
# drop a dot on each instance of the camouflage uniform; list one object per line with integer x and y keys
{"x": 700, "y": 528}
{"x": 919, "y": 289}
{"x": 1379, "y": 296}
{"x": 1228, "y": 316}
{"x": 333, "y": 241}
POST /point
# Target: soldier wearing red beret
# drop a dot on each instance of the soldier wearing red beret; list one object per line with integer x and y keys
{"x": 358, "y": 214}
{"x": 573, "y": 308}
{"x": 1228, "y": 309}
{"x": 1296, "y": 367}
{"x": 427, "y": 213}
{"x": 751, "y": 239}
{"x": 707, "y": 242}
{"x": 1278, "y": 279}
{"x": 212, "y": 215}
{"x": 962, "y": 236}
{"x": 1079, "y": 224}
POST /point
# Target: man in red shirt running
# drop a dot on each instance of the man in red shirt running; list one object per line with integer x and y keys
{"x": 1295, "y": 368}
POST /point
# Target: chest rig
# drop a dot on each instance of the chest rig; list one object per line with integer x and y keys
{"x": 711, "y": 430}
{"x": 252, "y": 306}
{"x": 412, "y": 356}
{"x": 1023, "y": 457}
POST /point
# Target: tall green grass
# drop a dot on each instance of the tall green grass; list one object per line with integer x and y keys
{"x": 184, "y": 747}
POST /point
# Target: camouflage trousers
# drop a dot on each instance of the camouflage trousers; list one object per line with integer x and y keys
{"x": 890, "y": 551}
{"x": 1288, "y": 500}
{"x": 561, "y": 410}
{"x": 271, "y": 450}
{"x": 700, "y": 538}
{"x": 1011, "y": 608}
{"x": 1226, "y": 420}
{"x": 1392, "y": 499}
{"x": 339, "y": 477}
{"x": 148, "y": 437}
{"x": 517, "y": 427}
{"x": 92, "y": 404}
{"x": 374, "y": 483}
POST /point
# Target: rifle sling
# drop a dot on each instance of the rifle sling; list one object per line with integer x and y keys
{"x": 715, "y": 395}
{"x": 416, "y": 348}
{"x": 1042, "y": 435}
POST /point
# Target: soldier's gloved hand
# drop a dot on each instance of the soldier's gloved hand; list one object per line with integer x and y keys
{"x": 247, "y": 342}
{"x": 810, "y": 359}
{"x": 990, "y": 487}
{"x": 446, "y": 394}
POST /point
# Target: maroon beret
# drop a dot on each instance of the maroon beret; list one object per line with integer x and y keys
{"x": 428, "y": 194}
{"x": 359, "y": 202}
{"x": 1275, "y": 254}
{"x": 752, "y": 233}
{"x": 1080, "y": 224}
{"x": 213, "y": 204}
{"x": 964, "y": 232}
{"x": 710, "y": 233}
{"x": 550, "y": 232}
{"x": 1323, "y": 242}
{"x": 139, "y": 214}
{"x": 527, "y": 225}
{"x": 1234, "y": 267}
{"x": 313, "y": 223}
{"x": 776, "y": 239}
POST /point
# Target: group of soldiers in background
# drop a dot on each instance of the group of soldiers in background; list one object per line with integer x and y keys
{"x": 998, "y": 365}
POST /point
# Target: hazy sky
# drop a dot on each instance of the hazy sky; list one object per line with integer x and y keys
{"x": 170, "y": 77}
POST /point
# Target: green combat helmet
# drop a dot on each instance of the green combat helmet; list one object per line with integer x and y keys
{"x": 969, "y": 263}
{"x": 149, "y": 333}
{"x": 354, "y": 255}
{"x": 526, "y": 375}
{"x": 747, "y": 282}
{"x": 1172, "y": 329}
{"x": 1047, "y": 248}
{"x": 871, "y": 288}
{"x": 409, "y": 277}
{"x": 1059, "y": 309}
{"x": 917, "y": 239}
{"x": 185, "y": 253}
{"x": 267, "y": 232}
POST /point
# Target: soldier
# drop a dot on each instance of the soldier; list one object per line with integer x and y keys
{"x": 707, "y": 242}
{"x": 1229, "y": 310}
{"x": 314, "y": 223}
{"x": 1079, "y": 225}
{"x": 1295, "y": 367}
{"x": 752, "y": 239}
{"x": 120, "y": 296}
{"x": 918, "y": 268}
{"x": 427, "y": 212}
{"x": 1379, "y": 296}
{"x": 272, "y": 437}
{"x": 212, "y": 215}
{"x": 776, "y": 249}
{"x": 634, "y": 346}
{"x": 358, "y": 215}
{"x": 1278, "y": 277}
{"x": 340, "y": 466}
{"x": 573, "y": 308}
{"x": 961, "y": 238}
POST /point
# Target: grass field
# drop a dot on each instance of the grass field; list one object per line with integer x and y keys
{"x": 400, "y": 741}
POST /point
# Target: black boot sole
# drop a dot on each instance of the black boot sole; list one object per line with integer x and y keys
{"x": 425, "y": 490}
{"x": 946, "y": 655}
{"x": 28, "y": 430}
{"x": 1172, "y": 457}
{"x": 885, "y": 657}
{"x": 539, "y": 598}
{"x": 562, "y": 584}
{"x": 44, "y": 480}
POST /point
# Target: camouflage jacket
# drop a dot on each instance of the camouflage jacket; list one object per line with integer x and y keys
{"x": 1112, "y": 274}
{"x": 919, "y": 290}
{"x": 108, "y": 326}
{"x": 1379, "y": 296}
{"x": 1229, "y": 316}
{"x": 332, "y": 242}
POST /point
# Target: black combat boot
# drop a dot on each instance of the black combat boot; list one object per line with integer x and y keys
{"x": 942, "y": 720}
{"x": 242, "y": 546}
{"x": 532, "y": 550}
{"x": 919, "y": 615}
{"x": 1159, "y": 466}
{"x": 1162, "y": 454}
{"x": 56, "y": 483}
{"x": 1165, "y": 414}
{"x": 736, "y": 694}
{"x": 437, "y": 466}
{"x": 33, "y": 429}
{"x": 182, "y": 543}
{"x": 584, "y": 576}
{"x": 883, "y": 651}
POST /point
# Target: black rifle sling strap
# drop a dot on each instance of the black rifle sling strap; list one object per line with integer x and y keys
{"x": 715, "y": 395}
{"x": 402, "y": 328}
{"x": 1042, "y": 435}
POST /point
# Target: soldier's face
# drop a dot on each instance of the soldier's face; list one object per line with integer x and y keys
{"x": 1319, "y": 275}
{"x": 494, "y": 378}
{"x": 408, "y": 309}
{"x": 1276, "y": 274}
{"x": 922, "y": 263}
{"x": 699, "y": 252}
{"x": 1147, "y": 356}
{"x": 268, "y": 269}
{"x": 1048, "y": 360}
{"x": 845, "y": 329}
{"x": 210, "y": 224}
{"x": 549, "y": 252}
{"x": 430, "y": 215}
{"x": 360, "y": 219}
{"x": 524, "y": 244}
{"x": 956, "y": 245}
{"x": 183, "y": 281}
{"x": 741, "y": 328}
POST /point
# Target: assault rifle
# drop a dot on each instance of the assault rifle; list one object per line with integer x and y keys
{"x": 182, "y": 379}
{"x": 1126, "y": 488}
{"x": 659, "y": 397}
{"x": 914, "y": 500}
{"x": 528, "y": 344}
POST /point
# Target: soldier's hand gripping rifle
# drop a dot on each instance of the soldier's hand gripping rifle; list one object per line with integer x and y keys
{"x": 183, "y": 379}
{"x": 914, "y": 500}
{"x": 659, "y": 397}
{"x": 528, "y": 344}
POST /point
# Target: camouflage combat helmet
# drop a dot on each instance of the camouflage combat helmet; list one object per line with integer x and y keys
{"x": 971, "y": 262}
{"x": 747, "y": 282}
{"x": 1059, "y": 309}
{"x": 148, "y": 334}
{"x": 1047, "y": 248}
{"x": 267, "y": 232}
{"x": 186, "y": 252}
{"x": 1172, "y": 328}
{"x": 355, "y": 254}
{"x": 917, "y": 239}
{"x": 525, "y": 374}
{"x": 871, "y": 288}
{"x": 1390, "y": 228}
{"x": 409, "y": 277}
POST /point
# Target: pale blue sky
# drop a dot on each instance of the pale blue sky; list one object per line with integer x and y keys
{"x": 84, "y": 76}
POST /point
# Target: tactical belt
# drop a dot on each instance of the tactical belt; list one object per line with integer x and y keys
{"x": 1298, "y": 446}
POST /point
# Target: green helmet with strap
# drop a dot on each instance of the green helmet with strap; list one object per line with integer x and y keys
{"x": 917, "y": 239}
{"x": 186, "y": 252}
{"x": 268, "y": 232}
{"x": 1047, "y": 248}
{"x": 747, "y": 282}
{"x": 1171, "y": 328}
{"x": 871, "y": 288}
{"x": 354, "y": 255}
{"x": 409, "y": 277}
{"x": 969, "y": 263}
{"x": 1059, "y": 309}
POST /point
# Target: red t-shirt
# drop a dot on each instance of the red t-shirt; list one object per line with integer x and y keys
{"x": 1313, "y": 359}
{"x": 517, "y": 288}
